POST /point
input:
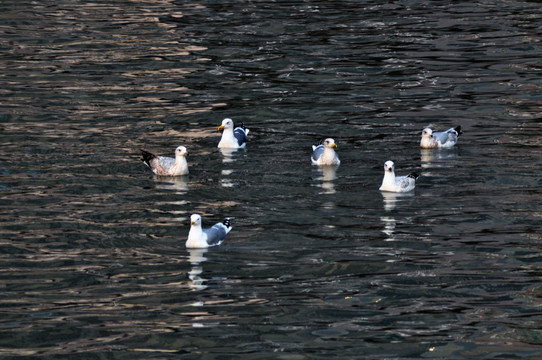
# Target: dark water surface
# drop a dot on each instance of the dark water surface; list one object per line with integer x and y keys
{"x": 319, "y": 264}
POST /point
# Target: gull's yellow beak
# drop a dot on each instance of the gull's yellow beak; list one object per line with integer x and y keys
{"x": 192, "y": 223}
{"x": 334, "y": 145}
{"x": 221, "y": 127}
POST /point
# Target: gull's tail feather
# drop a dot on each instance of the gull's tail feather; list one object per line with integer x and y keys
{"x": 242, "y": 126}
{"x": 413, "y": 175}
{"x": 147, "y": 157}
{"x": 227, "y": 222}
{"x": 458, "y": 130}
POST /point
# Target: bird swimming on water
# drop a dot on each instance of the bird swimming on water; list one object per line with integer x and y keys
{"x": 204, "y": 238}
{"x": 232, "y": 137}
{"x": 324, "y": 153}
{"x": 397, "y": 183}
{"x": 161, "y": 165}
{"x": 443, "y": 139}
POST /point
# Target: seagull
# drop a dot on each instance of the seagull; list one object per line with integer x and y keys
{"x": 399, "y": 183}
{"x": 233, "y": 138}
{"x": 324, "y": 153}
{"x": 203, "y": 238}
{"x": 444, "y": 139}
{"x": 161, "y": 165}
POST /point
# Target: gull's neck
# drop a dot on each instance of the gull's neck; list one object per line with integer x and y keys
{"x": 180, "y": 163}
{"x": 328, "y": 155}
{"x": 388, "y": 183}
{"x": 228, "y": 139}
{"x": 195, "y": 237}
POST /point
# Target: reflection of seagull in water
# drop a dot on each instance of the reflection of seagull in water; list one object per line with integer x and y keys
{"x": 161, "y": 165}
{"x": 196, "y": 258}
{"x": 324, "y": 153}
{"x": 444, "y": 139}
{"x": 392, "y": 199}
{"x": 399, "y": 183}
{"x": 329, "y": 174}
{"x": 225, "y": 180}
{"x": 177, "y": 183}
{"x": 204, "y": 238}
{"x": 389, "y": 227}
{"x": 433, "y": 159}
{"x": 233, "y": 138}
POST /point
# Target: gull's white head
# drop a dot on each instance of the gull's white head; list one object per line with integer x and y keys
{"x": 388, "y": 166}
{"x": 329, "y": 143}
{"x": 181, "y": 151}
{"x": 226, "y": 124}
{"x": 427, "y": 133}
{"x": 195, "y": 220}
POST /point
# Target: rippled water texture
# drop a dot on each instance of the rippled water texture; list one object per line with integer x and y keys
{"x": 319, "y": 263}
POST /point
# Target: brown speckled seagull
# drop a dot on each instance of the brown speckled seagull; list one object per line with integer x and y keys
{"x": 166, "y": 166}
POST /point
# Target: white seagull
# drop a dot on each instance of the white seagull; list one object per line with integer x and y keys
{"x": 233, "y": 138}
{"x": 161, "y": 165}
{"x": 203, "y": 238}
{"x": 444, "y": 139}
{"x": 324, "y": 153}
{"x": 399, "y": 183}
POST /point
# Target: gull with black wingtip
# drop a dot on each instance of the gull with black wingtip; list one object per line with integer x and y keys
{"x": 166, "y": 166}
{"x": 443, "y": 139}
{"x": 204, "y": 238}
{"x": 233, "y": 137}
{"x": 324, "y": 153}
{"x": 394, "y": 183}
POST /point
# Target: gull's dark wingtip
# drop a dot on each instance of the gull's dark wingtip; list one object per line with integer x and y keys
{"x": 458, "y": 130}
{"x": 146, "y": 157}
{"x": 413, "y": 175}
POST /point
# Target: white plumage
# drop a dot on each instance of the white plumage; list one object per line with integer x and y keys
{"x": 204, "y": 238}
{"x": 232, "y": 138}
{"x": 397, "y": 183}
{"x": 324, "y": 153}
{"x": 161, "y": 165}
{"x": 443, "y": 139}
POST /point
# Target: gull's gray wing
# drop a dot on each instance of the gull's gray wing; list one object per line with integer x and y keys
{"x": 216, "y": 234}
{"x": 406, "y": 183}
{"x": 444, "y": 137}
{"x": 241, "y": 135}
{"x": 166, "y": 162}
{"x": 158, "y": 164}
{"x": 161, "y": 165}
{"x": 317, "y": 152}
